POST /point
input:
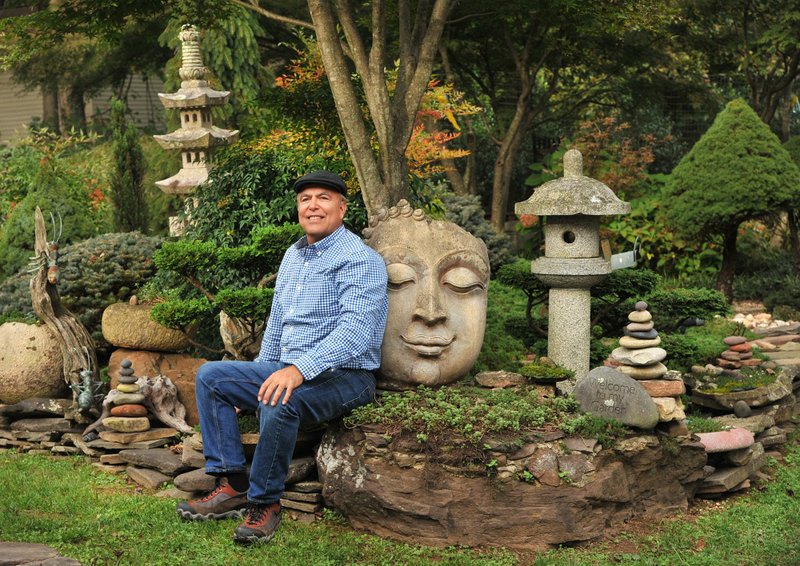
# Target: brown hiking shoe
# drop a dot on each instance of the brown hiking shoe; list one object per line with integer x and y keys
{"x": 260, "y": 523}
{"x": 222, "y": 503}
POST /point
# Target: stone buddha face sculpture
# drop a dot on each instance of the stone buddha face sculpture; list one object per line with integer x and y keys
{"x": 438, "y": 284}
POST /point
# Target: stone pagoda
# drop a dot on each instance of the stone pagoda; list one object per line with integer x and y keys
{"x": 572, "y": 262}
{"x": 197, "y": 136}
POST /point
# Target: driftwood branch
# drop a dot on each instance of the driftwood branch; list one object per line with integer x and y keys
{"x": 77, "y": 347}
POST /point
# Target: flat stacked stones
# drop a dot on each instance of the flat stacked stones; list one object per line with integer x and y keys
{"x": 128, "y": 413}
{"x": 640, "y": 358}
{"x": 738, "y": 354}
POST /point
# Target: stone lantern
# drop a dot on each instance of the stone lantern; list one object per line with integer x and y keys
{"x": 572, "y": 262}
{"x": 197, "y": 136}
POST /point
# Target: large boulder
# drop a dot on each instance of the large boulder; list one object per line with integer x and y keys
{"x": 404, "y": 491}
{"x": 30, "y": 363}
{"x": 181, "y": 369}
{"x": 130, "y": 326}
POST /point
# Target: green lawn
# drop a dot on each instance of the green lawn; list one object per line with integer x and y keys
{"x": 99, "y": 519}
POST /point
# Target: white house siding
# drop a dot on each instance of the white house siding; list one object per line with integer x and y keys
{"x": 17, "y": 108}
{"x": 145, "y": 107}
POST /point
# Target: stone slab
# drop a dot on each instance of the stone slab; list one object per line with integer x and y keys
{"x": 161, "y": 459}
{"x": 753, "y": 423}
{"x": 726, "y": 440}
{"x": 643, "y": 373}
{"x": 37, "y": 407}
{"x": 195, "y": 480}
{"x": 127, "y": 424}
{"x": 52, "y": 424}
{"x": 728, "y": 478}
{"x": 663, "y": 387}
{"x": 307, "y": 486}
{"x": 608, "y": 393}
{"x": 129, "y": 437}
{"x": 635, "y": 343}
{"x": 33, "y": 554}
{"x": 143, "y": 445}
{"x": 304, "y": 497}
{"x": 299, "y": 506}
{"x": 147, "y": 477}
{"x": 640, "y": 357}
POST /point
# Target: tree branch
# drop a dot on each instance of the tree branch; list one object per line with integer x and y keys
{"x": 254, "y": 6}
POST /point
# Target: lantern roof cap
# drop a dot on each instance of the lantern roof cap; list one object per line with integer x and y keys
{"x": 573, "y": 194}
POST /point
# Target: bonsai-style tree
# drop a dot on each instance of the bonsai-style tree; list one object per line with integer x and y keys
{"x": 737, "y": 171}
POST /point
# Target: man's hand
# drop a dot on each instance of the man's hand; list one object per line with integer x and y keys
{"x": 283, "y": 380}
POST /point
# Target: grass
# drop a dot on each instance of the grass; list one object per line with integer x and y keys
{"x": 99, "y": 519}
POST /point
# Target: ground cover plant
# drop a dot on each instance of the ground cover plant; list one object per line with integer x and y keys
{"x": 99, "y": 519}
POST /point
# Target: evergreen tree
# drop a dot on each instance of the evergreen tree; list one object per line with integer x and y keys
{"x": 127, "y": 189}
{"x": 737, "y": 171}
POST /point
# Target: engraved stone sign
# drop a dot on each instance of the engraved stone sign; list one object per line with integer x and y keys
{"x": 608, "y": 393}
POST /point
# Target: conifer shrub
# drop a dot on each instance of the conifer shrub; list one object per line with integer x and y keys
{"x": 737, "y": 171}
{"x": 94, "y": 274}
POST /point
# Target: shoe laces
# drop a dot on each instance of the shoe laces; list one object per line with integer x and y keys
{"x": 256, "y": 514}
{"x": 211, "y": 495}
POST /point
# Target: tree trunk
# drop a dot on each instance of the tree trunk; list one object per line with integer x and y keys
{"x": 73, "y": 338}
{"x": 728, "y": 269}
{"x": 504, "y": 164}
{"x": 794, "y": 239}
{"x": 383, "y": 180}
{"x": 50, "y": 108}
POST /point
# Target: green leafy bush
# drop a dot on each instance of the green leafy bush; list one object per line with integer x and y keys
{"x": 500, "y": 350}
{"x": 17, "y": 234}
{"x": 672, "y": 306}
{"x": 94, "y": 273}
{"x": 785, "y": 293}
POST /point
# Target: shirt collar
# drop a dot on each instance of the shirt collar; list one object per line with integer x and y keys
{"x": 325, "y": 243}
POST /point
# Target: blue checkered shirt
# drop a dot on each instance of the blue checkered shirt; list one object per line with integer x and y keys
{"x": 329, "y": 308}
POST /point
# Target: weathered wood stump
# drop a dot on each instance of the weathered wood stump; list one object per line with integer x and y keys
{"x": 77, "y": 347}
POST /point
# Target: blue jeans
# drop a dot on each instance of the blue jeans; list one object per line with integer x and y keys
{"x": 221, "y": 386}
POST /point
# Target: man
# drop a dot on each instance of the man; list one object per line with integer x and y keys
{"x": 321, "y": 344}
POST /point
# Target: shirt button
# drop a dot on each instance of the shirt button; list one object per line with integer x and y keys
{"x": 298, "y": 287}
{"x": 319, "y": 253}
{"x": 284, "y": 349}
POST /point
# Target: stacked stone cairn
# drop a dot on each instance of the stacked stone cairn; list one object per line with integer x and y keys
{"x": 129, "y": 413}
{"x": 739, "y": 354}
{"x": 734, "y": 457}
{"x": 639, "y": 357}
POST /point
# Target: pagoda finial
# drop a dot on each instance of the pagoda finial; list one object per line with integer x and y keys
{"x": 573, "y": 163}
{"x": 192, "y": 68}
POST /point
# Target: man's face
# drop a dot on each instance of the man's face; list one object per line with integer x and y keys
{"x": 320, "y": 211}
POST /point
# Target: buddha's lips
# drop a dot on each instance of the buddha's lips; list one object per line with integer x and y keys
{"x": 426, "y": 345}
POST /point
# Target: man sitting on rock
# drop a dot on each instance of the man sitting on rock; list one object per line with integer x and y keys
{"x": 321, "y": 345}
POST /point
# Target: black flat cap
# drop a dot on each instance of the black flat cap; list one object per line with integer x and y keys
{"x": 321, "y": 179}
